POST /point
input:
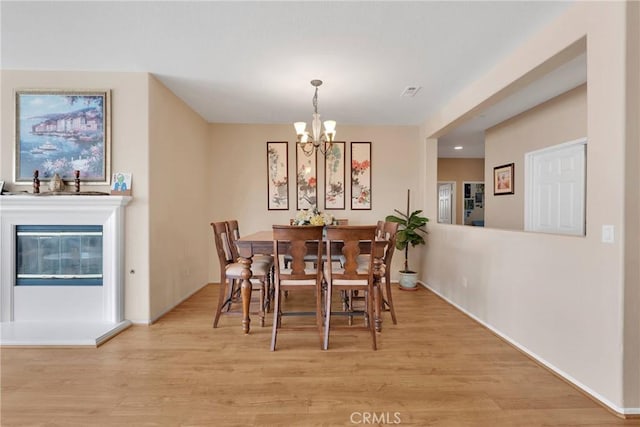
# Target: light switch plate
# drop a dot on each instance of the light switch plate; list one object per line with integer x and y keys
{"x": 608, "y": 234}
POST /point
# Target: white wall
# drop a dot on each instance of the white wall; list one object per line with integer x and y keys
{"x": 560, "y": 298}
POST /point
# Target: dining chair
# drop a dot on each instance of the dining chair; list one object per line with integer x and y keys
{"x": 296, "y": 242}
{"x": 384, "y": 230}
{"x": 351, "y": 276}
{"x": 234, "y": 235}
{"x": 231, "y": 274}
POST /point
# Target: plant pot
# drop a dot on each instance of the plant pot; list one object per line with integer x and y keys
{"x": 408, "y": 279}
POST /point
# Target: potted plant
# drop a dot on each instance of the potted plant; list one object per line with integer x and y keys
{"x": 410, "y": 232}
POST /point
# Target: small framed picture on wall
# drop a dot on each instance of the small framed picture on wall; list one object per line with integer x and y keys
{"x": 503, "y": 179}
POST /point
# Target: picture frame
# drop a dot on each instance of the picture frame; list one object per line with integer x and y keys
{"x": 334, "y": 174}
{"x": 278, "y": 176}
{"x": 121, "y": 183}
{"x": 306, "y": 179}
{"x": 361, "y": 175}
{"x": 503, "y": 179}
{"x": 63, "y": 131}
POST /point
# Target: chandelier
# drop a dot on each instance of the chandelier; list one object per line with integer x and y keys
{"x": 320, "y": 141}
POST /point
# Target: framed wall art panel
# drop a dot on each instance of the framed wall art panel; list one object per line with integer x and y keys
{"x": 277, "y": 176}
{"x": 306, "y": 179}
{"x": 334, "y": 172}
{"x": 63, "y": 131}
{"x": 360, "y": 175}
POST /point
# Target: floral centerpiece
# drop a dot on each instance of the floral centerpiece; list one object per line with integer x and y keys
{"x": 313, "y": 217}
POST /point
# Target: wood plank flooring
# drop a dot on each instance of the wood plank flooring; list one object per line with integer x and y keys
{"x": 436, "y": 367}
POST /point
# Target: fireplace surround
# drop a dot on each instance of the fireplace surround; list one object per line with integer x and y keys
{"x": 62, "y": 315}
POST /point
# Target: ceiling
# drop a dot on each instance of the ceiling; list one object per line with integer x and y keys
{"x": 251, "y": 62}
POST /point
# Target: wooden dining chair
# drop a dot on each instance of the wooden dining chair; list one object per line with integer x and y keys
{"x": 296, "y": 242}
{"x": 352, "y": 276}
{"x": 234, "y": 235}
{"x": 230, "y": 274}
{"x": 384, "y": 230}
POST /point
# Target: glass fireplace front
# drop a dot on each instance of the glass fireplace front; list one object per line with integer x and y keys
{"x": 68, "y": 255}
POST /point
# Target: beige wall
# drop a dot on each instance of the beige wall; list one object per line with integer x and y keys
{"x": 238, "y": 173}
{"x": 460, "y": 170}
{"x": 559, "y": 120}
{"x": 178, "y": 202}
{"x": 129, "y": 153}
{"x": 559, "y": 298}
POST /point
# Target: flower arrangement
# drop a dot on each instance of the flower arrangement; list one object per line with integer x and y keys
{"x": 313, "y": 217}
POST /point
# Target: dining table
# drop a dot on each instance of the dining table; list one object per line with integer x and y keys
{"x": 261, "y": 242}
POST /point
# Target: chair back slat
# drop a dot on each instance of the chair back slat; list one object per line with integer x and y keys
{"x": 220, "y": 236}
{"x": 234, "y": 235}
{"x": 295, "y": 241}
{"x": 356, "y": 239}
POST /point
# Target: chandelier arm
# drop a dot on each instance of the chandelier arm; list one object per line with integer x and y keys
{"x": 307, "y": 148}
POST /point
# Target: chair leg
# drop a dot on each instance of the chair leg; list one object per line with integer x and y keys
{"x": 261, "y": 313}
{"x": 327, "y": 317}
{"x": 389, "y": 300}
{"x": 222, "y": 299}
{"x": 276, "y": 318}
{"x": 370, "y": 315}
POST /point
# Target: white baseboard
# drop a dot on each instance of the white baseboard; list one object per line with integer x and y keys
{"x": 604, "y": 401}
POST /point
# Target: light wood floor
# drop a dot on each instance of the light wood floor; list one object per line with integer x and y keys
{"x": 436, "y": 367}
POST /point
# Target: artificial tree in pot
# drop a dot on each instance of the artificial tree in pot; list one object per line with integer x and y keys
{"x": 410, "y": 232}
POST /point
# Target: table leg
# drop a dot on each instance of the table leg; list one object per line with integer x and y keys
{"x": 245, "y": 292}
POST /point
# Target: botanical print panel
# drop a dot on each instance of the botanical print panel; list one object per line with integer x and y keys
{"x": 360, "y": 175}
{"x": 278, "y": 176}
{"x": 306, "y": 180}
{"x": 334, "y": 177}
{"x": 60, "y": 132}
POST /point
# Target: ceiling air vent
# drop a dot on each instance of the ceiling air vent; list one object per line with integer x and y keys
{"x": 411, "y": 91}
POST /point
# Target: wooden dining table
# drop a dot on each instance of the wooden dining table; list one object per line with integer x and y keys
{"x": 261, "y": 242}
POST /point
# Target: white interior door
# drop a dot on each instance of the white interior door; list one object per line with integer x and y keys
{"x": 445, "y": 202}
{"x": 555, "y": 189}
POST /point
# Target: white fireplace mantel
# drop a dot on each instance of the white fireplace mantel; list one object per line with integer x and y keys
{"x": 62, "y": 315}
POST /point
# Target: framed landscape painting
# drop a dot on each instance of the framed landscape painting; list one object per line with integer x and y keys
{"x": 361, "y": 175}
{"x": 306, "y": 179}
{"x": 334, "y": 168}
{"x": 277, "y": 176}
{"x": 63, "y": 131}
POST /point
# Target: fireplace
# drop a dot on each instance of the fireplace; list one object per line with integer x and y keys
{"x": 58, "y": 255}
{"x": 61, "y": 269}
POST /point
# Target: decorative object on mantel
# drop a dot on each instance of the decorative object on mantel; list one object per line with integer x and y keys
{"x": 36, "y": 182}
{"x": 56, "y": 184}
{"x": 409, "y": 224}
{"x": 121, "y": 183}
{"x": 322, "y": 142}
{"x": 1, "y": 187}
{"x": 61, "y": 131}
{"x": 76, "y": 181}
